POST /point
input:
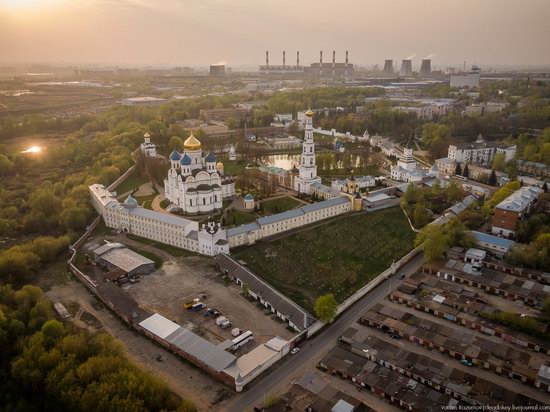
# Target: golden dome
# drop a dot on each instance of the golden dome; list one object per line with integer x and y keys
{"x": 192, "y": 143}
{"x": 309, "y": 113}
{"x": 219, "y": 166}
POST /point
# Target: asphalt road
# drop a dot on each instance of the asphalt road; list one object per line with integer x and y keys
{"x": 253, "y": 395}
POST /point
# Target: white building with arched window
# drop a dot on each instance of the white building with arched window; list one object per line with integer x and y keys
{"x": 196, "y": 184}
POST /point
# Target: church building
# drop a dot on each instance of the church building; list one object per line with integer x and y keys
{"x": 197, "y": 184}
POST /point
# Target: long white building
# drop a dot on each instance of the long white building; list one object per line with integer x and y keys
{"x": 128, "y": 217}
{"x": 291, "y": 219}
{"x": 307, "y": 169}
{"x": 480, "y": 152}
{"x": 209, "y": 239}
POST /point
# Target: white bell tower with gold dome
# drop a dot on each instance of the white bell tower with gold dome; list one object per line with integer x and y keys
{"x": 308, "y": 169}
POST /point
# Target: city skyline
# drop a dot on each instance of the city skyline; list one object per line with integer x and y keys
{"x": 170, "y": 32}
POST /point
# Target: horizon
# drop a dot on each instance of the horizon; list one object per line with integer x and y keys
{"x": 174, "y": 33}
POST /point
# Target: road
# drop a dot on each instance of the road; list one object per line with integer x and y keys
{"x": 317, "y": 346}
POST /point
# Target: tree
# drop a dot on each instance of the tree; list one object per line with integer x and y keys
{"x": 458, "y": 169}
{"x": 432, "y": 241}
{"x": 492, "y": 178}
{"x": 545, "y": 187}
{"x": 466, "y": 172}
{"x": 499, "y": 162}
{"x": 6, "y": 165}
{"x": 421, "y": 216}
{"x": 176, "y": 143}
{"x": 326, "y": 307}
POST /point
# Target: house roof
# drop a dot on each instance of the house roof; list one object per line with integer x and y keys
{"x": 520, "y": 199}
{"x": 249, "y": 227}
{"x": 493, "y": 240}
{"x": 120, "y": 256}
{"x": 199, "y": 348}
{"x": 297, "y": 315}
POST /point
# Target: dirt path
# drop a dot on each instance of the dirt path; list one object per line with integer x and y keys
{"x": 183, "y": 379}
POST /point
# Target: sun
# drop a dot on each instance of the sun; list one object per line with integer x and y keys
{"x": 33, "y": 149}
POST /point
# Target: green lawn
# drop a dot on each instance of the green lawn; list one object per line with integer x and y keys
{"x": 131, "y": 183}
{"x": 339, "y": 257}
{"x": 237, "y": 217}
{"x": 279, "y": 205}
{"x": 233, "y": 168}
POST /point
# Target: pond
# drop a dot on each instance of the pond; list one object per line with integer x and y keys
{"x": 325, "y": 160}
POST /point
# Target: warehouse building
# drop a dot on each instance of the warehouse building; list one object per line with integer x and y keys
{"x": 116, "y": 256}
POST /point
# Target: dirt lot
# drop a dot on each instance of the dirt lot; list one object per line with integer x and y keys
{"x": 183, "y": 279}
{"x": 184, "y": 379}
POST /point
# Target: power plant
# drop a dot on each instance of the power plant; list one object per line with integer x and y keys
{"x": 388, "y": 68}
{"x": 426, "y": 68}
{"x": 320, "y": 69}
{"x": 406, "y": 68}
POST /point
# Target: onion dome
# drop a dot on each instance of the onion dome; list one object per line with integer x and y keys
{"x": 249, "y": 197}
{"x": 210, "y": 157}
{"x": 185, "y": 160}
{"x": 175, "y": 155}
{"x": 131, "y": 202}
{"x": 219, "y": 166}
{"x": 309, "y": 113}
{"x": 192, "y": 143}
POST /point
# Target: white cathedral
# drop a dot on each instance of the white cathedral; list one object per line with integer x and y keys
{"x": 197, "y": 184}
{"x": 308, "y": 169}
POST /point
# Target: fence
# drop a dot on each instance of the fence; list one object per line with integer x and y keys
{"x": 122, "y": 178}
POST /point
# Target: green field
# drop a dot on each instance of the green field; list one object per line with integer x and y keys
{"x": 237, "y": 217}
{"x": 339, "y": 257}
{"x": 281, "y": 204}
{"x": 134, "y": 181}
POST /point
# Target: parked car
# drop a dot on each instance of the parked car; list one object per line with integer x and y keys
{"x": 187, "y": 305}
{"x": 402, "y": 276}
{"x": 207, "y": 312}
{"x": 395, "y": 336}
{"x": 197, "y": 306}
{"x": 466, "y": 362}
{"x": 295, "y": 350}
{"x": 226, "y": 324}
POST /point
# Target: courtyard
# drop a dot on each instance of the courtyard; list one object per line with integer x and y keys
{"x": 337, "y": 257}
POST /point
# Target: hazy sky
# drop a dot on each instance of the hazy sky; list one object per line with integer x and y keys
{"x": 199, "y": 32}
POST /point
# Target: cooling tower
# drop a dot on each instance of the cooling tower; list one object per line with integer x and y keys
{"x": 388, "y": 67}
{"x": 426, "y": 68}
{"x": 406, "y": 68}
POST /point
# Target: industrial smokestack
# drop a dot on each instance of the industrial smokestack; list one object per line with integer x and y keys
{"x": 298, "y": 58}
{"x": 320, "y": 62}
{"x": 333, "y": 61}
{"x": 346, "y": 66}
{"x": 266, "y": 58}
{"x": 284, "y": 58}
{"x": 426, "y": 68}
{"x": 388, "y": 67}
{"x": 406, "y": 68}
